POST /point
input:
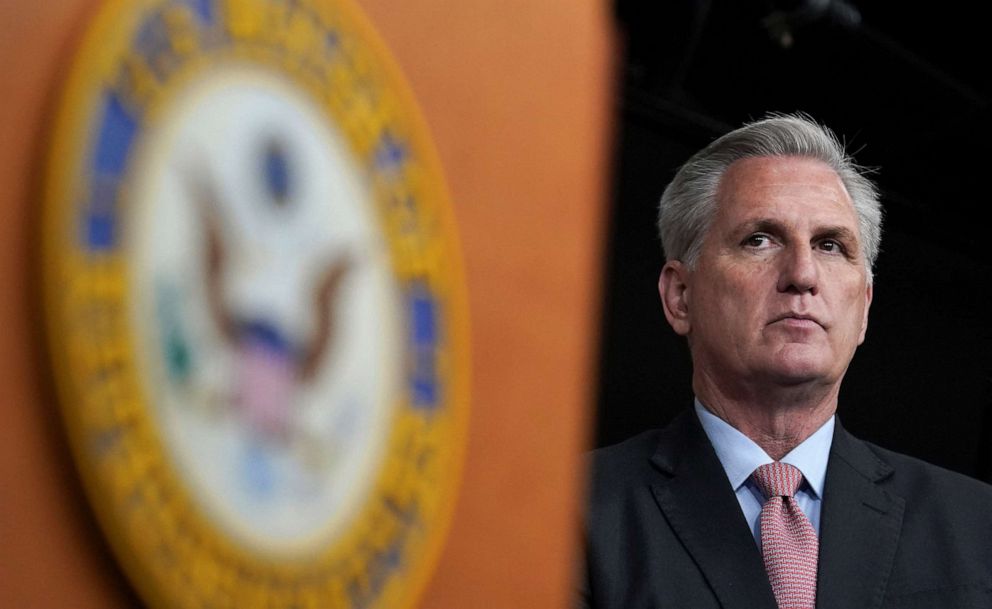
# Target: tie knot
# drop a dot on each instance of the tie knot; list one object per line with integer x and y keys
{"x": 778, "y": 479}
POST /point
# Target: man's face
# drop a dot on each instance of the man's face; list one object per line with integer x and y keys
{"x": 779, "y": 293}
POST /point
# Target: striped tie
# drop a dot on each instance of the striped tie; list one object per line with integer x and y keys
{"x": 788, "y": 541}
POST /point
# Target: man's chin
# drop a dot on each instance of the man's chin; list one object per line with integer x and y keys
{"x": 796, "y": 378}
{"x": 801, "y": 369}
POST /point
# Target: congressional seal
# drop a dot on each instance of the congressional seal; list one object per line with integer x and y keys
{"x": 254, "y": 305}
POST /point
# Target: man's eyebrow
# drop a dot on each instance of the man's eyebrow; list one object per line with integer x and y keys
{"x": 842, "y": 233}
{"x": 766, "y": 225}
{"x": 771, "y": 225}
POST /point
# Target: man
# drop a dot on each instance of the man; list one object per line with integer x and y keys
{"x": 757, "y": 497}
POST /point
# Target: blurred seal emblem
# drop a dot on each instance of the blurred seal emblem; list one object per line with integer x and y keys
{"x": 255, "y": 307}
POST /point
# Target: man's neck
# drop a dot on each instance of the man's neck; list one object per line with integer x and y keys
{"x": 778, "y": 419}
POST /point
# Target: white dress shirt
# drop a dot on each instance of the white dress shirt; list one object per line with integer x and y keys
{"x": 740, "y": 456}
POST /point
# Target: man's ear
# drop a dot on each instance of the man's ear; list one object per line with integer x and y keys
{"x": 674, "y": 290}
{"x": 864, "y": 322}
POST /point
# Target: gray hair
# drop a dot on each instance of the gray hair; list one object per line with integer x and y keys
{"x": 688, "y": 204}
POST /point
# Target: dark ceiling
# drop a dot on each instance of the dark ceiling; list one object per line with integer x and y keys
{"x": 906, "y": 84}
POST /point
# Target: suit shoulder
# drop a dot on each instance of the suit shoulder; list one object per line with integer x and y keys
{"x": 612, "y": 465}
{"x": 643, "y": 444}
{"x": 943, "y": 552}
{"x": 912, "y": 476}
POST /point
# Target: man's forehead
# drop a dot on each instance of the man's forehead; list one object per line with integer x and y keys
{"x": 780, "y": 171}
{"x": 768, "y": 186}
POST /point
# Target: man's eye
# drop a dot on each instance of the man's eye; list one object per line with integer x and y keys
{"x": 757, "y": 240}
{"x": 831, "y": 246}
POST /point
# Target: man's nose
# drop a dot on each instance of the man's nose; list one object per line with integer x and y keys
{"x": 799, "y": 272}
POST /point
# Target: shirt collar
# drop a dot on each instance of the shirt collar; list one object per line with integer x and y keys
{"x": 740, "y": 455}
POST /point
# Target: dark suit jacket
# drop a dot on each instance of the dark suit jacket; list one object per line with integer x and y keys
{"x": 664, "y": 530}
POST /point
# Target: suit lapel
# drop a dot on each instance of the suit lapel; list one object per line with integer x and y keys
{"x": 703, "y": 511}
{"x": 859, "y": 527}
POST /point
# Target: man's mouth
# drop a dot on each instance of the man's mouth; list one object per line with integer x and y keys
{"x": 799, "y": 320}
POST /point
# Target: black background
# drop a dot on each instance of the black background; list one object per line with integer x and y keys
{"x": 906, "y": 86}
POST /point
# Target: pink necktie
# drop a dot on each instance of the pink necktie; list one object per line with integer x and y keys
{"x": 788, "y": 540}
